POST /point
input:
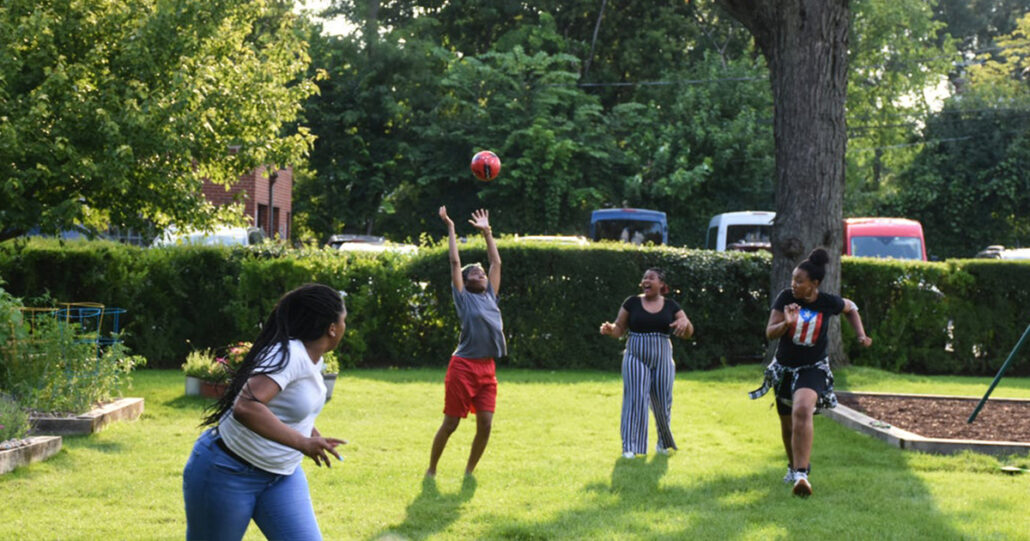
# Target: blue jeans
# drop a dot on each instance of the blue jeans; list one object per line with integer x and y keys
{"x": 222, "y": 494}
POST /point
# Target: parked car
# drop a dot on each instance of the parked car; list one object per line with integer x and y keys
{"x": 556, "y": 239}
{"x": 895, "y": 238}
{"x": 368, "y": 243}
{"x": 224, "y": 236}
{"x": 1000, "y": 252}
{"x": 74, "y": 232}
{"x": 746, "y": 231}
{"x": 637, "y": 226}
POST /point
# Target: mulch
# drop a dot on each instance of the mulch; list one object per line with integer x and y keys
{"x": 946, "y": 417}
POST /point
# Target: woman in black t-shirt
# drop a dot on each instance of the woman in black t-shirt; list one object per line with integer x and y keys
{"x": 647, "y": 367}
{"x": 800, "y": 372}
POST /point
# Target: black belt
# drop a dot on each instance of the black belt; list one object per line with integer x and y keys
{"x": 221, "y": 444}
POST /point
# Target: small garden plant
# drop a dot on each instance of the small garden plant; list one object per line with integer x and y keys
{"x": 14, "y": 421}
{"x": 332, "y": 363}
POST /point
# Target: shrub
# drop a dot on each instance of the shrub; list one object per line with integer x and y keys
{"x": 957, "y": 317}
{"x": 14, "y": 421}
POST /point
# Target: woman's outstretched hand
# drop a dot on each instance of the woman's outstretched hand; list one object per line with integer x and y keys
{"x": 319, "y": 449}
{"x": 680, "y": 327}
{"x": 607, "y": 328}
{"x": 481, "y": 220}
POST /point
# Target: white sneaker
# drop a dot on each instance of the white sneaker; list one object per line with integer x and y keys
{"x": 629, "y": 454}
{"x": 661, "y": 450}
{"x": 791, "y": 476}
{"x": 802, "y": 487}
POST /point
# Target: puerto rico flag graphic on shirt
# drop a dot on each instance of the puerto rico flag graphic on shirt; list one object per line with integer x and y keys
{"x": 807, "y": 327}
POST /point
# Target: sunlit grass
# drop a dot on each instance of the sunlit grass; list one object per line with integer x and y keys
{"x": 551, "y": 470}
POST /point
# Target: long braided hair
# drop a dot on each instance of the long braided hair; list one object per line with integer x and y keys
{"x": 303, "y": 314}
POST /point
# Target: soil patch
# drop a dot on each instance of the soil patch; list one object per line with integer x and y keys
{"x": 946, "y": 417}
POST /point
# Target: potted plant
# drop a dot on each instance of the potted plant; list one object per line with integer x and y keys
{"x": 198, "y": 368}
{"x": 329, "y": 372}
{"x": 208, "y": 375}
{"x": 224, "y": 368}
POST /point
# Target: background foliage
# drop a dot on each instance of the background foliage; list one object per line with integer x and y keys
{"x": 660, "y": 105}
{"x": 114, "y": 112}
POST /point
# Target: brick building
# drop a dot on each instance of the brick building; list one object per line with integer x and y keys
{"x": 257, "y": 200}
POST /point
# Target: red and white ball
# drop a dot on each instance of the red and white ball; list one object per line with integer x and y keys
{"x": 486, "y": 165}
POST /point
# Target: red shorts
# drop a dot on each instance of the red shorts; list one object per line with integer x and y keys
{"x": 471, "y": 385}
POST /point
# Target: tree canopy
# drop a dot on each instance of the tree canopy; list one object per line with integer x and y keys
{"x": 115, "y": 112}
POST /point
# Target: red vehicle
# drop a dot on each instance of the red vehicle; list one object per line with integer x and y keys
{"x": 896, "y": 238}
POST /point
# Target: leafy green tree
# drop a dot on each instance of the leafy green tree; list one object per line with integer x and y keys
{"x": 899, "y": 55}
{"x": 115, "y": 112}
{"x": 707, "y": 150}
{"x": 970, "y": 185}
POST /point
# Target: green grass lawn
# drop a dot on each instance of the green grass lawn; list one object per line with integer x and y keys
{"x": 551, "y": 470}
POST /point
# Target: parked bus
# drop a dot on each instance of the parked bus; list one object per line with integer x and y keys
{"x": 638, "y": 226}
{"x": 747, "y": 230}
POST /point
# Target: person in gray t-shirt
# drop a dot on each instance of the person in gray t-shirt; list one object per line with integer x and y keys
{"x": 471, "y": 382}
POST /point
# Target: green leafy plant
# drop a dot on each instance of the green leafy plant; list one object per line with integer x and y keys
{"x": 49, "y": 364}
{"x": 200, "y": 364}
{"x": 14, "y": 420}
{"x": 332, "y": 362}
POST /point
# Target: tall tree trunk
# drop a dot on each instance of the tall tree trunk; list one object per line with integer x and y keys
{"x": 805, "y": 44}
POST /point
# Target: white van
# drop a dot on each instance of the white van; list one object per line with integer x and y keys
{"x": 747, "y": 230}
{"x": 224, "y": 236}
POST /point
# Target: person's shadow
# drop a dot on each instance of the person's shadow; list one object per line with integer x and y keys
{"x": 430, "y": 511}
{"x": 637, "y": 476}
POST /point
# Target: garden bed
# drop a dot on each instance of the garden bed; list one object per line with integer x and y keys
{"x": 123, "y": 409}
{"x": 937, "y": 424}
{"x": 15, "y": 453}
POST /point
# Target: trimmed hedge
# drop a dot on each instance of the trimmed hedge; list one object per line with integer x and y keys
{"x": 958, "y": 317}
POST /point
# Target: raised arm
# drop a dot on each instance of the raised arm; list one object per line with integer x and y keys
{"x": 851, "y": 313}
{"x": 452, "y": 253}
{"x": 481, "y": 221}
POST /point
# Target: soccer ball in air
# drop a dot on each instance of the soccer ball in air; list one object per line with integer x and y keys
{"x": 486, "y": 165}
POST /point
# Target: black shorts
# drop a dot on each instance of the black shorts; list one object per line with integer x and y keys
{"x": 808, "y": 378}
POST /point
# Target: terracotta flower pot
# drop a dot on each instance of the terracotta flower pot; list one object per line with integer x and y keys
{"x": 212, "y": 390}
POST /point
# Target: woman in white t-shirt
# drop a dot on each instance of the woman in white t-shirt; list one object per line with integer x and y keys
{"x": 246, "y": 466}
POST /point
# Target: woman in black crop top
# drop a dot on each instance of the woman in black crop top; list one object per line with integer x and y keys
{"x": 647, "y": 367}
{"x": 800, "y": 373}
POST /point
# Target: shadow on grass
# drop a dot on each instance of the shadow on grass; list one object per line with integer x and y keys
{"x": 184, "y": 402}
{"x": 430, "y": 512}
{"x": 505, "y": 374}
{"x": 756, "y": 504}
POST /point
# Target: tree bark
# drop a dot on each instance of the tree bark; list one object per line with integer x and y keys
{"x": 805, "y": 43}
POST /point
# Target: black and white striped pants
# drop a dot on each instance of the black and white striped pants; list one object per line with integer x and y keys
{"x": 647, "y": 375}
